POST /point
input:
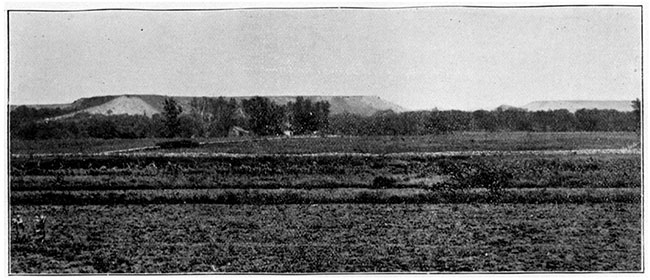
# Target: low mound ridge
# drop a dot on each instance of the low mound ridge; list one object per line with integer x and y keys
{"x": 124, "y": 105}
{"x": 575, "y": 105}
{"x": 115, "y": 105}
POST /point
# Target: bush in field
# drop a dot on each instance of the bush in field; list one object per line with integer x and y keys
{"x": 384, "y": 182}
{"x": 24, "y": 231}
{"x": 479, "y": 174}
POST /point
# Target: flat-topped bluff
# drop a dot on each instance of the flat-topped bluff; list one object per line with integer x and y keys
{"x": 152, "y": 104}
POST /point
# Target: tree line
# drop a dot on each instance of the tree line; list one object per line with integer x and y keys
{"x": 441, "y": 122}
{"x": 216, "y": 117}
{"x": 207, "y": 117}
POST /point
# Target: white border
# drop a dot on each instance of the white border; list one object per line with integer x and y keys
{"x": 51, "y": 5}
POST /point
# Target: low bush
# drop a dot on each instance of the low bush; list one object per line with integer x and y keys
{"x": 384, "y": 182}
{"x": 484, "y": 174}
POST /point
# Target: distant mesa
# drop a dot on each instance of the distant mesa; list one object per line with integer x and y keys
{"x": 354, "y": 104}
{"x": 152, "y": 104}
{"x": 575, "y": 105}
{"x": 572, "y": 105}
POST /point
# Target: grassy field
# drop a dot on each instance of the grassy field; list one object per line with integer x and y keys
{"x": 331, "y": 238}
{"x": 82, "y": 146}
{"x": 101, "y": 173}
{"x": 466, "y": 141}
{"x": 461, "y": 141}
{"x": 282, "y": 212}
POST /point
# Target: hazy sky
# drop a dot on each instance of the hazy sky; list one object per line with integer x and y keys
{"x": 463, "y": 58}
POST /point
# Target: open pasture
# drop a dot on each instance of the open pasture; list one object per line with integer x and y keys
{"x": 458, "y": 141}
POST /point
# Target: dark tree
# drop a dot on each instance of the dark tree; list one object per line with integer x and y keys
{"x": 322, "y": 109}
{"x": 214, "y": 116}
{"x": 172, "y": 123}
{"x": 636, "y": 106}
{"x": 302, "y": 115}
{"x": 189, "y": 126}
{"x": 306, "y": 116}
{"x": 103, "y": 128}
{"x": 199, "y": 112}
{"x": 223, "y": 116}
{"x": 485, "y": 120}
{"x": 265, "y": 117}
{"x": 346, "y": 124}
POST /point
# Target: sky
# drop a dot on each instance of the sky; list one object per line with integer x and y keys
{"x": 419, "y": 58}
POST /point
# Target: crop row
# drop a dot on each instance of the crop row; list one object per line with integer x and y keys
{"x": 325, "y": 196}
{"x": 115, "y": 172}
{"x": 284, "y": 164}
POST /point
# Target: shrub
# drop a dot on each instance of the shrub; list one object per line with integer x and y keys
{"x": 24, "y": 231}
{"x": 384, "y": 182}
{"x": 479, "y": 174}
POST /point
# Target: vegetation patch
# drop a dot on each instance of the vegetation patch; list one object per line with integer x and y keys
{"x": 324, "y": 196}
{"x": 286, "y": 171}
{"x": 270, "y": 210}
{"x": 327, "y": 238}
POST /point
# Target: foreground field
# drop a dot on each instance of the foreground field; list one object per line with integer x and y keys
{"x": 325, "y": 205}
{"x": 331, "y": 238}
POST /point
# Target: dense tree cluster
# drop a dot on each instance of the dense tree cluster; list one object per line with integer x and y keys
{"x": 265, "y": 117}
{"x": 307, "y": 117}
{"x": 172, "y": 111}
{"x": 215, "y": 117}
{"x": 84, "y": 125}
{"x": 29, "y": 114}
{"x": 208, "y": 117}
{"x": 438, "y": 122}
{"x": 636, "y": 107}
